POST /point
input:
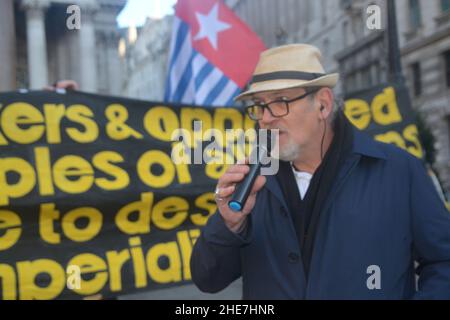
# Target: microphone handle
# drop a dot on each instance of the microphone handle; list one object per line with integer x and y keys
{"x": 243, "y": 188}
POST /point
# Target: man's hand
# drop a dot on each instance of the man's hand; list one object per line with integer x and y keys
{"x": 63, "y": 84}
{"x": 225, "y": 188}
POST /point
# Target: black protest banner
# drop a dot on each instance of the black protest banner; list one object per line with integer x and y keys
{"x": 385, "y": 113}
{"x": 91, "y": 201}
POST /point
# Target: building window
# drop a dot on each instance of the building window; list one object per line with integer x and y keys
{"x": 417, "y": 81}
{"x": 326, "y": 47}
{"x": 445, "y": 5}
{"x": 345, "y": 39}
{"x": 375, "y": 73}
{"x": 447, "y": 67}
{"x": 350, "y": 83}
{"x": 448, "y": 130}
{"x": 324, "y": 12}
{"x": 415, "y": 18}
{"x": 366, "y": 78}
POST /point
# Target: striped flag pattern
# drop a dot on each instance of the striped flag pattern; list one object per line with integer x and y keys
{"x": 205, "y": 54}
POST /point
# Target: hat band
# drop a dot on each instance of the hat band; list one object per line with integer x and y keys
{"x": 286, "y": 75}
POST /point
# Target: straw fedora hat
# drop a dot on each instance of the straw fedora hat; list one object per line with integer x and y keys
{"x": 289, "y": 66}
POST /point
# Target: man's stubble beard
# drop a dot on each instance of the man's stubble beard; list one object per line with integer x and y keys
{"x": 290, "y": 150}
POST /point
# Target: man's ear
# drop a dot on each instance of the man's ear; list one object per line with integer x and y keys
{"x": 325, "y": 98}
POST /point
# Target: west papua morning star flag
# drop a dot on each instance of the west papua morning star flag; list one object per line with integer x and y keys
{"x": 213, "y": 54}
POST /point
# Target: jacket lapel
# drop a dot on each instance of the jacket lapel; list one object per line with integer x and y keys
{"x": 273, "y": 186}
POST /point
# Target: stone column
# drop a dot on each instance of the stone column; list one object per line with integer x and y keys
{"x": 88, "y": 61}
{"x": 114, "y": 65}
{"x": 7, "y": 46}
{"x": 36, "y": 42}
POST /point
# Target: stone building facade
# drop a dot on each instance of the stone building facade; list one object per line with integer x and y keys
{"x": 40, "y": 48}
{"x": 145, "y": 59}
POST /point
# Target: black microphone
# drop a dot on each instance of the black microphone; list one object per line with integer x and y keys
{"x": 244, "y": 187}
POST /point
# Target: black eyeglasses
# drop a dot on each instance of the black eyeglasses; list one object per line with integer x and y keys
{"x": 277, "y": 108}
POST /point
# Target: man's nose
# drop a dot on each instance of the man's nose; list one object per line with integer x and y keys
{"x": 267, "y": 117}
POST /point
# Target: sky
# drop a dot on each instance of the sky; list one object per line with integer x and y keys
{"x": 136, "y": 11}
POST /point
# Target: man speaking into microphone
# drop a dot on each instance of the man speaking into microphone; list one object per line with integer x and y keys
{"x": 345, "y": 217}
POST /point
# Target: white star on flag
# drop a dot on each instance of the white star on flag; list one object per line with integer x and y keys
{"x": 210, "y": 26}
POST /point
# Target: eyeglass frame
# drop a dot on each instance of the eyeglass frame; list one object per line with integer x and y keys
{"x": 266, "y": 105}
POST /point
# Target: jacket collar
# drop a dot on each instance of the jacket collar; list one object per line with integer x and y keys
{"x": 365, "y": 145}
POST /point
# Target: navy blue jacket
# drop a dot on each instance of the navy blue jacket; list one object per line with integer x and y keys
{"x": 382, "y": 215}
